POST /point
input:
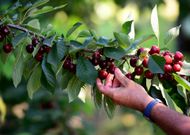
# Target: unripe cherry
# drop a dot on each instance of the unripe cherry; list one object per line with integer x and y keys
{"x": 176, "y": 67}
{"x": 168, "y": 68}
{"x": 178, "y": 56}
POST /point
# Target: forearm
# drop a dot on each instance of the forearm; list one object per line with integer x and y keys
{"x": 171, "y": 122}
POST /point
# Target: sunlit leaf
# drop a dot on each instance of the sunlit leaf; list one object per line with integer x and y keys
{"x": 182, "y": 81}
{"x": 172, "y": 34}
{"x": 75, "y": 26}
{"x": 154, "y": 22}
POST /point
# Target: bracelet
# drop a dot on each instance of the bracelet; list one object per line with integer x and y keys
{"x": 148, "y": 109}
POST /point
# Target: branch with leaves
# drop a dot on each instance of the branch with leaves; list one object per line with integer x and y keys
{"x": 50, "y": 61}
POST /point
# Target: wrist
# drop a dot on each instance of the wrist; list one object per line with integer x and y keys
{"x": 144, "y": 104}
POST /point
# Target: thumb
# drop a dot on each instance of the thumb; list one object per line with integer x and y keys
{"x": 121, "y": 77}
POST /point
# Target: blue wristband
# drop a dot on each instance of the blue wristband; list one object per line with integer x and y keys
{"x": 148, "y": 109}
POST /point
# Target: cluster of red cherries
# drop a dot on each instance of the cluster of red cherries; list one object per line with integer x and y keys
{"x": 173, "y": 64}
{"x": 8, "y": 47}
{"x": 4, "y": 32}
{"x": 41, "y": 51}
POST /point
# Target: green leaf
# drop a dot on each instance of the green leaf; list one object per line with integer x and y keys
{"x": 86, "y": 71}
{"x": 97, "y": 96}
{"x": 73, "y": 88}
{"x": 169, "y": 101}
{"x": 115, "y": 53}
{"x": 122, "y": 39}
{"x": 39, "y": 3}
{"x": 103, "y": 41}
{"x": 109, "y": 106}
{"x": 156, "y": 64}
{"x": 57, "y": 53}
{"x": 126, "y": 27}
{"x": 182, "y": 91}
{"x": 185, "y": 70}
{"x": 46, "y": 85}
{"x": 45, "y": 9}
{"x": 48, "y": 72}
{"x": 34, "y": 82}
{"x": 75, "y": 46}
{"x": 66, "y": 77}
{"x": 35, "y": 24}
{"x": 75, "y": 26}
{"x": 84, "y": 34}
{"x": 18, "y": 68}
{"x": 182, "y": 81}
{"x": 154, "y": 22}
{"x": 172, "y": 34}
{"x": 18, "y": 39}
{"x": 49, "y": 41}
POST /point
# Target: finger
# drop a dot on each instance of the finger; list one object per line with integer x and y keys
{"x": 116, "y": 83}
{"x": 121, "y": 77}
{"x": 105, "y": 90}
{"x": 109, "y": 80}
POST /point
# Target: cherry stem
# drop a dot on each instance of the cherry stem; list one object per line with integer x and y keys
{"x": 18, "y": 27}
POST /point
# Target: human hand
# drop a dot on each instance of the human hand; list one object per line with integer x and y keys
{"x": 124, "y": 91}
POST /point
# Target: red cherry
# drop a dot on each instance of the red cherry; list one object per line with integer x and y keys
{"x": 46, "y": 48}
{"x": 35, "y": 41}
{"x": 176, "y": 67}
{"x": 7, "y": 48}
{"x": 94, "y": 61}
{"x": 139, "y": 51}
{"x": 39, "y": 57}
{"x": 96, "y": 55}
{"x": 111, "y": 68}
{"x": 102, "y": 74}
{"x": 72, "y": 68}
{"x": 145, "y": 62}
{"x": 167, "y": 68}
{"x": 154, "y": 50}
{"x": 149, "y": 74}
{"x": 130, "y": 76}
{"x": 179, "y": 62}
{"x": 133, "y": 61}
{"x": 168, "y": 59}
{"x": 167, "y": 53}
{"x": 178, "y": 56}
{"x": 5, "y": 30}
{"x": 103, "y": 64}
{"x": 139, "y": 70}
{"x": 161, "y": 77}
{"x": 30, "y": 48}
{"x": 109, "y": 60}
{"x": 67, "y": 63}
{"x": 168, "y": 76}
{"x": 1, "y": 37}
{"x": 41, "y": 50}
